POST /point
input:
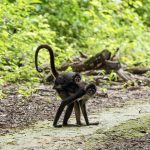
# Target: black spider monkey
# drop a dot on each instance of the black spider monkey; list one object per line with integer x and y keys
{"x": 66, "y": 84}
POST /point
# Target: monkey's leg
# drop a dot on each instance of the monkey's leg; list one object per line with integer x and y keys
{"x": 66, "y": 102}
{"x": 58, "y": 114}
{"x": 77, "y": 113}
{"x": 68, "y": 114}
{"x": 83, "y": 108}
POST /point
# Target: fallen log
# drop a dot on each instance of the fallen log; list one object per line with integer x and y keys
{"x": 101, "y": 60}
{"x": 90, "y": 64}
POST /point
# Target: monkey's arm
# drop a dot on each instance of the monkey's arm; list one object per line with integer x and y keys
{"x": 77, "y": 113}
{"x": 84, "y": 112}
{"x": 65, "y": 102}
{"x": 83, "y": 108}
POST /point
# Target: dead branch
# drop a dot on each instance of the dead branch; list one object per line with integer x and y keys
{"x": 138, "y": 70}
{"x": 115, "y": 56}
{"x": 103, "y": 60}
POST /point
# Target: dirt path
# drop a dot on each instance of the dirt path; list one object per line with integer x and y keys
{"x": 43, "y": 136}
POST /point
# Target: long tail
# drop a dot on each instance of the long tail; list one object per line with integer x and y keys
{"x": 52, "y": 63}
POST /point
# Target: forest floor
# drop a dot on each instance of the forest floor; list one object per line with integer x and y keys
{"x": 26, "y": 123}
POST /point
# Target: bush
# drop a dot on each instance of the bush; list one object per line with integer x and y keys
{"x": 70, "y": 26}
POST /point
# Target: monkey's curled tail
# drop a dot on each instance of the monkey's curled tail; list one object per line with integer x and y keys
{"x": 52, "y": 63}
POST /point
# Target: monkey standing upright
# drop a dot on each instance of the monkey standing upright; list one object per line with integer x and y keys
{"x": 66, "y": 85}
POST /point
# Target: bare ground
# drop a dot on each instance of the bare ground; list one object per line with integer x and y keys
{"x": 18, "y": 112}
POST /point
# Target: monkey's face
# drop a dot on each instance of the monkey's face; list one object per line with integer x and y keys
{"x": 77, "y": 78}
{"x": 91, "y": 91}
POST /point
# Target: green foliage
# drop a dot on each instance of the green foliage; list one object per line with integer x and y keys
{"x": 19, "y": 37}
{"x": 113, "y": 76}
{"x": 70, "y": 26}
{"x": 27, "y": 89}
{"x": 142, "y": 9}
{"x": 147, "y": 74}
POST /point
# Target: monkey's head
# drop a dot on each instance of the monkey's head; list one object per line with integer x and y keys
{"x": 77, "y": 78}
{"x": 91, "y": 89}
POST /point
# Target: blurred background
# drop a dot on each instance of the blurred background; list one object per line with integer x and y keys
{"x": 69, "y": 26}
